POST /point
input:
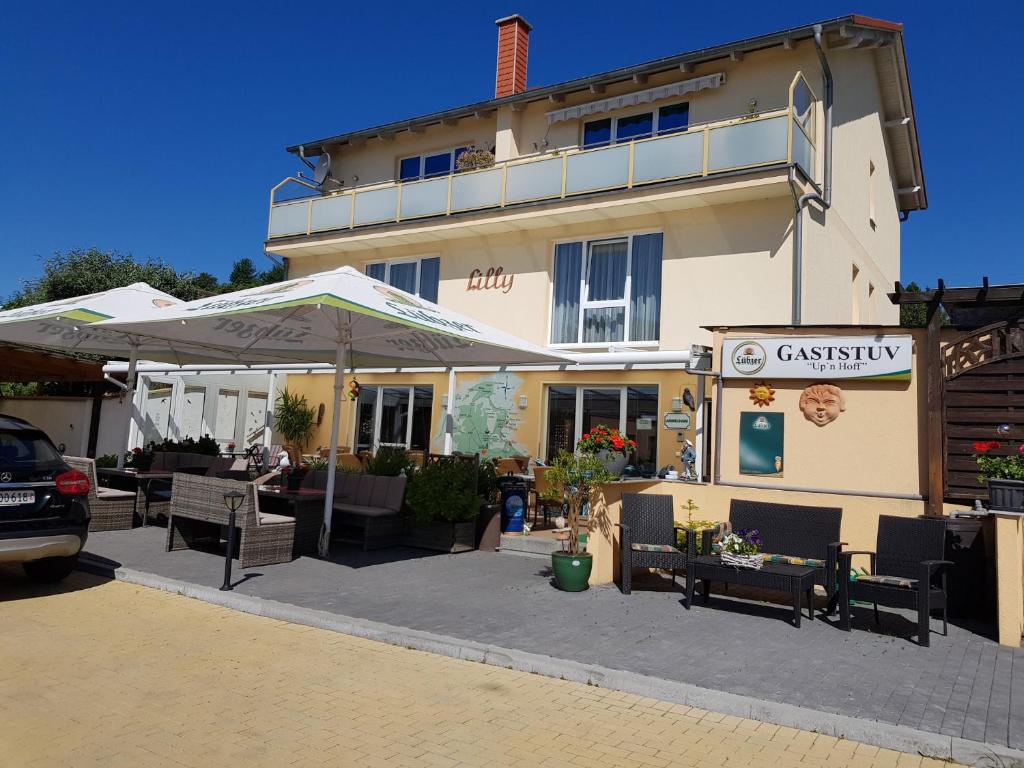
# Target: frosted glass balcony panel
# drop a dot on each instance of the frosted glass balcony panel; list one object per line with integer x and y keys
{"x": 481, "y": 189}
{"x": 668, "y": 157}
{"x": 332, "y": 212}
{"x": 803, "y": 152}
{"x": 289, "y": 219}
{"x": 600, "y": 169}
{"x": 534, "y": 181}
{"x": 376, "y": 205}
{"x": 747, "y": 143}
{"x": 425, "y": 198}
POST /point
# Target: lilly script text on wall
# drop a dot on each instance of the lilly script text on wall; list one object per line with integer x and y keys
{"x": 494, "y": 279}
{"x": 818, "y": 357}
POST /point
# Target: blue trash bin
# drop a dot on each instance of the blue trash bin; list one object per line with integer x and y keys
{"x": 513, "y": 507}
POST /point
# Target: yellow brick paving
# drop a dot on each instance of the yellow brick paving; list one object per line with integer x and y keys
{"x": 97, "y": 673}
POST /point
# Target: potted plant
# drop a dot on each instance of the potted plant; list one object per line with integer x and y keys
{"x": 445, "y": 505}
{"x": 742, "y": 549}
{"x": 474, "y": 159}
{"x": 140, "y": 459}
{"x": 691, "y": 528}
{"x": 389, "y": 461}
{"x": 295, "y": 421}
{"x": 1004, "y": 475}
{"x": 293, "y": 475}
{"x": 608, "y": 445}
{"x": 578, "y": 475}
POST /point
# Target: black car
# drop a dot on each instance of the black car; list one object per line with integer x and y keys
{"x": 44, "y": 505}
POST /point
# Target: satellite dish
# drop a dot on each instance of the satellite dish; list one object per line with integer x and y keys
{"x": 322, "y": 169}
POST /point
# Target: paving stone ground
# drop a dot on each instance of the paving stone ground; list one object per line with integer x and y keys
{"x": 102, "y": 673}
{"x": 964, "y": 685}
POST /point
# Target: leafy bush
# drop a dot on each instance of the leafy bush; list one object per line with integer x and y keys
{"x": 487, "y": 487}
{"x": 389, "y": 461}
{"x": 445, "y": 491}
{"x": 1009, "y": 467}
{"x": 107, "y": 461}
{"x": 578, "y": 475}
{"x": 205, "y": 445}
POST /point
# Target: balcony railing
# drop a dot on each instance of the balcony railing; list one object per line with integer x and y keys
{"x": 745, "y": 143}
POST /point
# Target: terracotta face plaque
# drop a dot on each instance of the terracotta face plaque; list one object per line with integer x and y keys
{"x": 822, "y": 403}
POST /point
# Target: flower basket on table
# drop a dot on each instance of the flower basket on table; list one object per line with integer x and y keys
{"x": 742, "y": 549}
{"x": 1003, "y": 472}
{"x": 611, "y": 448}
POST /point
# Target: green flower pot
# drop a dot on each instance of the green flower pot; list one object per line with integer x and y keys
{"x": 572, "y": 572}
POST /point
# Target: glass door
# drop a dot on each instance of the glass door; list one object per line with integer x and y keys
{"x": 394, "y": 416}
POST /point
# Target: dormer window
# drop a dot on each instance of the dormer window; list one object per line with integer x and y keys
{"x": 427, "y": 166}
{"x": 671, "y": 118}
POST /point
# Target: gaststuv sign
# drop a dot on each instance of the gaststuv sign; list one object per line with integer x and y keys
{"x": 818, "y": 357}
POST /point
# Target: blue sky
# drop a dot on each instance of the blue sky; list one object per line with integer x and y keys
{"x": 159, "y": 128}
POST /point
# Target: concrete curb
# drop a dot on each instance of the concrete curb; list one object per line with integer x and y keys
{"x": 872, "y": 732}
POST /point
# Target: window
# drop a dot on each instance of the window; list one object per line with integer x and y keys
{"x": 607, "y": 291}
{"x": 419, "y": 277}
{"x": 193, "y": 424}
{"x": 158, "y": 411}
{"x": 393, "y": 416}
{"x": 671, "y": 118}
{"x": 427, "y": 166}
{"x": 227, "y": 415}
{"x": 573, "y": 411}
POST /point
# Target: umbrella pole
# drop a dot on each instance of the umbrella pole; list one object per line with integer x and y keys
{"x": 449, "y": 417}
{"x": 332, "y": 461}
{"x": 129, "y": 393}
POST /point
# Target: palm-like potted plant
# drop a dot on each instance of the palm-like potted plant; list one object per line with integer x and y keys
{"x": 578, "y": 475}
{"x": 608, "y": 445}
{"x": 1004, "y": 474}
{"x": 295, "y": 421}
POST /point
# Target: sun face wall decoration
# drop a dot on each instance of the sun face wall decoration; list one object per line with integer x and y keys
{"x": 762, "y": 394}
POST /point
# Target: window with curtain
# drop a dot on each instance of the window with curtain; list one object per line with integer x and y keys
{"x": 419, "y": 277}
{"x": 607, "y": 291}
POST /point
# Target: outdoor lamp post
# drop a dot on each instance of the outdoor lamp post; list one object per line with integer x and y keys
{"x": 233, "y": 500}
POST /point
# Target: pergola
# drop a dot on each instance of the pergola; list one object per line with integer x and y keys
{"x": 23, "y": 365}
{"x": 991, "y": 318}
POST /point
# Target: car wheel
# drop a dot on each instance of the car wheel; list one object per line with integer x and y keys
{"x": 51, "y": 569}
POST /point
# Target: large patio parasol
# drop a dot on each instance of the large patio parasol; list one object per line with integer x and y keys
{"x": 341, "y": 316}
{"x": 68, "y": 326}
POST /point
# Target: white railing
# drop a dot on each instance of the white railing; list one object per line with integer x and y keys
{"x": 749, "y": 142}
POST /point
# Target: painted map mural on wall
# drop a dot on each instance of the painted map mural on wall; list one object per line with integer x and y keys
{"x": 486, "y": 416}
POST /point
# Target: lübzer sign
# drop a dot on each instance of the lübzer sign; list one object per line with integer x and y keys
{"x": 818, "y": 357}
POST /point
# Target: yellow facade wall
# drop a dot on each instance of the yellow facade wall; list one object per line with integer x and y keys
{"x": 1010, "y": 578}
{"x": 512, "y": 430}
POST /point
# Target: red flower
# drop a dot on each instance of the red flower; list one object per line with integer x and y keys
{"x": 985, "y": 446}
{"x": 1021, "y": 449}
{"x": 136, "y": 451}
{"x": 632, "y": 443}
{"x": 586, "y": 436}
{"x": 993, "y": 444}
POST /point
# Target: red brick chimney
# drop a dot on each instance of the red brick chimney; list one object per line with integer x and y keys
{"x": 513, "y": 45}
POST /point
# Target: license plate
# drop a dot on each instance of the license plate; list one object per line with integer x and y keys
{"x": 16, "y": 498}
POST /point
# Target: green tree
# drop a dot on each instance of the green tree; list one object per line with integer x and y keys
{"x": 916, "y": 315}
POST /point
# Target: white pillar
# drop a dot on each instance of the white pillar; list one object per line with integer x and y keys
{"x": 332, "y": 459}
{"x": 129, "y": 396}
{"x": 699, "y": 418}
{"x": 449, "y": 415}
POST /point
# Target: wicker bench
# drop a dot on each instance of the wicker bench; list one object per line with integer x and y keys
{"x": 198, "y": 512}
{"x": 367, "y": 508}
{"x": 793, "y": 534}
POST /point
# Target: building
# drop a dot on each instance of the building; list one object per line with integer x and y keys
{"x": 619, "y": 215}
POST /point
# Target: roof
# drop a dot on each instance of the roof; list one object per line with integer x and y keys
{"x": 850, "y": 31}
{"x": 24, "y": 364}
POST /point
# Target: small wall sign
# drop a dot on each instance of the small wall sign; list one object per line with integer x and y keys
{"x": 494, "y": 279}
{"x": 677, "y": 421}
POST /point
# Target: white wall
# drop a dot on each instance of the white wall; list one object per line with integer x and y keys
{"x": 64, "y": 419}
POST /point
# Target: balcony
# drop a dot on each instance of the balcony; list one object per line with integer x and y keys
{"x": 751, "y": 142}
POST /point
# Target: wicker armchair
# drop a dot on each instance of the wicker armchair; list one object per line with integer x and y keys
{"x": 907, "y": 571}
{"x": 648, "y": 538}
{"x": 111, "y": 509}
{"x": 198, "y": 512}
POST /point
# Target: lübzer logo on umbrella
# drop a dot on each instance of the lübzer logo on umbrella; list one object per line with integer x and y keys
{"x": 748, "y": 358}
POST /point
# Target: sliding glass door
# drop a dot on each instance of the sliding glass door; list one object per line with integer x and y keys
{"x": 574, "y": 411}
{"x": 393, "y": 416}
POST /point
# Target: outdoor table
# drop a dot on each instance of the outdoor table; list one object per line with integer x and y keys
{"x": 133, "y": 480}
{"x": 306, "y": 505}
{"x": 797, "y": 580}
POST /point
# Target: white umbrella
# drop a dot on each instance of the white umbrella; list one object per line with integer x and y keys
{"x": 327, "y": 317}
{"x": 68, "y": 326}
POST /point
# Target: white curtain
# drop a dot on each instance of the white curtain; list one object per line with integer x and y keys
{"x": 566, "y": 311}
{"x": 645, "y": 290}
{"x": 606, "y": 271}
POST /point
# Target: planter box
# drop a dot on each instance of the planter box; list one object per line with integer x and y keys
{"x": 1006, "y": 495}
{"x": 440, "y": 537}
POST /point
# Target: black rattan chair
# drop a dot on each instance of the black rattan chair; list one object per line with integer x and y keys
{"x": 647, "y": 537}
{"x": 907, "y": 571}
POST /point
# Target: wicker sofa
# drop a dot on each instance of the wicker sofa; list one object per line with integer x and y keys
{"x": 154, "y": 496}
{"x": 111, "y": 509}
{"x": 793, "y": 534}
{"x": 367, "y": 508}
{"x": 198, "y": 511}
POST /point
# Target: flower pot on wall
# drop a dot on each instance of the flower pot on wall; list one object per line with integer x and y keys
{"x": 572, "y": 572}
{"x": 1006, "y": 495}
{"x": 613, "y": 462}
